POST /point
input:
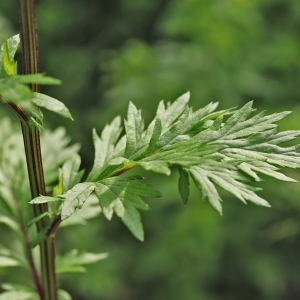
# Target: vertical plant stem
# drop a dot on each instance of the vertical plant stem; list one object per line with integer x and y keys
{"x": 31, "y": 138}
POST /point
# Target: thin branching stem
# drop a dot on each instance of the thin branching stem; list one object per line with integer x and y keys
{"x": 31, "y": 263}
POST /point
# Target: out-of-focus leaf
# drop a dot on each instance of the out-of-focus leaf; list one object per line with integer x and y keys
{"x": 14, "y": 89}
{"x": 20, "y": 295}
{"x": 8, "y": 262}
{"x": 39, "y": 217}
{"x": 8, "y": 220}
{"x": 38, "y": 238}
{"x": 36, "y": 78}
{"x": 183, "y": 185}
{"x": 72, "y": 261}
{"x": 9, "y": 258}
{"x": 63, "y": 295}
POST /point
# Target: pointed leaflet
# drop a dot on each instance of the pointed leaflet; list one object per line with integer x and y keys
{"x": 207, "y": 189}
{"x": 184, "y": 124}
{"x": 70, "y": 172}
{"x": 75, "y": 198}
{"x": 264, "y": 168}
{"x": 173, "y": 111}
{"x": 52, "y": 105}
{"x": 123, "y": 195}
{"x": 104, "y": 147}
{"x": 45, "y": 199}
{"x": 148, "y": 144}
{"x": 188, "y": 153}
{"x": 230, "y": 180}
{"x": 36, "y": 78}
{"x": 134, "y": 127}
{"x": 39, "y": 217}
{"x": 183, "y": 185}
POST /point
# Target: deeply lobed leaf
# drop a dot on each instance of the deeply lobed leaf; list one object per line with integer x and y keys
{"x": 212, "y": 151}
{"x": 226, "y": 149}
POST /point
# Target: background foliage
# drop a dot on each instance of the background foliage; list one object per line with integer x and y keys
{"x": 232, "y": 51}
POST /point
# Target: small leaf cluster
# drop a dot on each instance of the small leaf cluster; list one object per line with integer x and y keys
{"x": 226, "y": 149}
{"x": 14, "y": 90}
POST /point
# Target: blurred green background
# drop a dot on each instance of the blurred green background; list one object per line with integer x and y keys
{"x": 108, "y": 53}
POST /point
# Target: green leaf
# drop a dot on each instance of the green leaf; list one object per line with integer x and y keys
{"x": 152, "y": 146}
{"x": 70, "y": 172}
{"x": 45, "y": 199}
{"x": 16, "y": 287}
{"x": 52, "y": 105}
{"x": 9, "y": 65}
{"x": 183, "y": 185}
{"x": 104, "y": 147}
{"x": 8, "y": 258}
{"x": 20, "y": 295}
{"x": 226, "y": 149}
{"x": 155, "y": 166}
{"x": 39, "y": 217}
{"x": 123, "y": 195}
{"x": 72, "y": 261}
{"x": 173, "y": 111}
{"x": 14, "y": 89}
{"x": 39, "y": 237}
{"x": 134, "y": 127}
{"x": 207, "y": 177}
{"x": 13, "y": 44}
{"x": 9, "y": 221}
{"x": 8, "y": 262}
{"x": 36, "y": 78}
{"x": 63, "y": 295}
{"x": 89, "y": 210}
{"x": 75, "y": 198}
{"x": 184, "y": 125}
{"x": 55, "y": 151}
